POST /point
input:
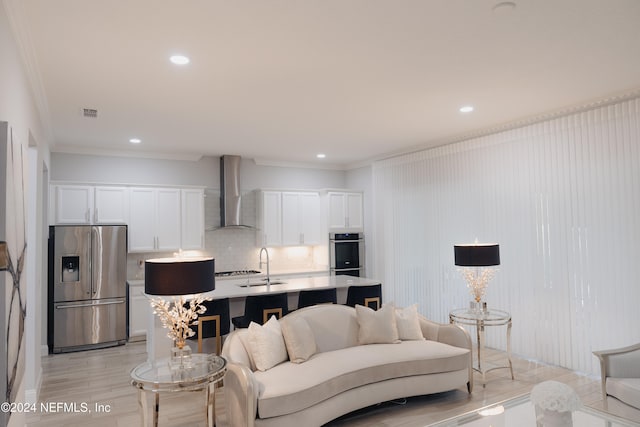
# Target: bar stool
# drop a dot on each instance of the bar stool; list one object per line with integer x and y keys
{"x": 317, "y": 296}
{"x": 369, "y": 296}
{"x": 215, "y": 322}
{"x": 258, "y": 308}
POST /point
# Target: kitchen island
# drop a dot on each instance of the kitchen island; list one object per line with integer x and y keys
{"x": 239, "y": 288}
{"x": 236, "y": 290}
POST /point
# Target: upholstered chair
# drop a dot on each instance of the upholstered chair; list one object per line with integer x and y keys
{"x": 310, "y": 297}
{"x": 259, "y": 308}
{"x": 370, "y": 296}
{"x": 620, "y": 371}
{"x": 212, "y": 325}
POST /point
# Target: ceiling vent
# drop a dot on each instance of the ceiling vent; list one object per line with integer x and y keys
{"x": 90, "y": 113}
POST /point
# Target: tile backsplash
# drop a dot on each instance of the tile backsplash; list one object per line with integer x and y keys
{"x": 236, "y": 248}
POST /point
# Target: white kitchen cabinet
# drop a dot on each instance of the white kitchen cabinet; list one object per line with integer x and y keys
{"x": 192, "y": 219}
{"x": 154, "y": 219}
{"x": 289, "y": 218}
{"x": 111, "y": 205}
{"x": 139, "y": 309}
{"x": 87, "y": 204}
{"x": 301, "y": 218}
{"x": 72, "y": 204}
{"x": 270, "y": 219}
{"x": 345, "y": 211}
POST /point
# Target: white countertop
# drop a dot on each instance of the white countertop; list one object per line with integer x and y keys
{"x": 229, "y": 288}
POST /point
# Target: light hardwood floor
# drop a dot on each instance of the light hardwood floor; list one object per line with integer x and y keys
{"x": 102, "y": 377}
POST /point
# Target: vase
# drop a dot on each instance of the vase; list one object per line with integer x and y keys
{"x": 180, "y": 356}
{"x": 478, "y": 306}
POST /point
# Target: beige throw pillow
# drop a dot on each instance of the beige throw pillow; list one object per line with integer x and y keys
{"x": 267, "y": 344}
{"x": 377, "y": 327}
{"x": 299, "y": 339}
{"x": 408, "y": 323}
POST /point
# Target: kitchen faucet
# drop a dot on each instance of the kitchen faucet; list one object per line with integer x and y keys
{"x": 263, "y": 249}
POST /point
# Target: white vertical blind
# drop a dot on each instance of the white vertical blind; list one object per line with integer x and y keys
{"x": 561, "y": 197}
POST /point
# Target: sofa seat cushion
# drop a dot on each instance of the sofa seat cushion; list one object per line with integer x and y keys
{"x": 626, "y": 390}
{"x": 290, "y": 387}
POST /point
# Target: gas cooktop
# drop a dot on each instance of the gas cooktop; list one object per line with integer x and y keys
{"x": 236, "y": 273}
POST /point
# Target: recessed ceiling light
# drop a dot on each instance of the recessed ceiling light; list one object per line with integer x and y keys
{"x": 466, "y": 109}
{"x": 179, "y": 59}
{"x": 135, "y": 140}
{"x": 321, "y": 156}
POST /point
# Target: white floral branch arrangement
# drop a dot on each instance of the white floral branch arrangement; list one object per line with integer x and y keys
{"x": 478, "y": 280}
{"x": 177, "y": 316}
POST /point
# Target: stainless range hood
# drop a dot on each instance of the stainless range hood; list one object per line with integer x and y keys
{"x": 230, "y": 197}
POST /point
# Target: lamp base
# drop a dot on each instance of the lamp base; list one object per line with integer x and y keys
{"x": 180, "y": 358}
{"x": 478, "y": 307}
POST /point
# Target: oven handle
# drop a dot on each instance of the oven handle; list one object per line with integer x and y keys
{"x": 347, "y": 241}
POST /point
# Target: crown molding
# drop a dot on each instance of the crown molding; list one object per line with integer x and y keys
{"x": 301, "y": 165}
{"x": 74, "y": 149}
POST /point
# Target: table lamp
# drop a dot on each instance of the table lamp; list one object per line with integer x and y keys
{"x": 179, "y": 277}
{"x": 477, "y": 261}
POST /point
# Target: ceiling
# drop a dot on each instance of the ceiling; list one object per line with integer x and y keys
{"x": 281, "y": 81}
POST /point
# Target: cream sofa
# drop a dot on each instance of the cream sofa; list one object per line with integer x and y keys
{"x": 620, "y": 371}
{"x": 342, "y": 375}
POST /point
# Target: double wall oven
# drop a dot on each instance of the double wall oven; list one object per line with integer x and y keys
{"x": 346, "y": 254}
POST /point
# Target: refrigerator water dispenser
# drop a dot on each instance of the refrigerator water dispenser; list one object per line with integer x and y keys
{"x": 70, "y": 268}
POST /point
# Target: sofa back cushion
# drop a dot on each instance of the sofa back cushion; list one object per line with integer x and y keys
{"x": 334, "y": 326}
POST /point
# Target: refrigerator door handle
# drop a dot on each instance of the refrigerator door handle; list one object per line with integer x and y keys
{"x": 96, "y": 243}
{"x": 60, "y": 307}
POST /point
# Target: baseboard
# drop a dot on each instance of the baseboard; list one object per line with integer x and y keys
{"x": 44, "y": 350}
{"x": 31, "y": 395}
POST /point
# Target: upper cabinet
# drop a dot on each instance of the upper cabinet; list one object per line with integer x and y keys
{"x": 345, "y": 211}
{"x": 301, "y": 218}
{"x": 289, "y": 218}
{"x": 159, "y": 219}
{"x": 192, "y": 219}
{"x": 111, "y": 205}
{"x": 270, "y": 219}
{"x": 85, "y": 204}
{"x": 154, "y": 223}
{"x": 72, "y": 204}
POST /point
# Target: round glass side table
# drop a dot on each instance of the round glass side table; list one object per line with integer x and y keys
{"x": 481, "y": 319}
{"x": 204, "y": 372}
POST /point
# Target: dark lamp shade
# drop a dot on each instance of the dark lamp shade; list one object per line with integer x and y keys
{"x": 477, "y": 255}
{"x": 179, "y": 276}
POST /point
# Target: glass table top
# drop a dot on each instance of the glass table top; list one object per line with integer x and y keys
{"x": 203, "y": 370}
{"x": 520, "y": 412}
{"x": 469, "y": 316}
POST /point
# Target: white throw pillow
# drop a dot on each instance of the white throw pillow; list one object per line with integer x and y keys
{"x": 267, "y": 344}
{"x": 377, "y": 327}
{"x": 299, "y": 339}
{"x": 408, "y": 323}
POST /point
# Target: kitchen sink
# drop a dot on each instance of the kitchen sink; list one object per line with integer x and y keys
{"x": 261, "y": 283}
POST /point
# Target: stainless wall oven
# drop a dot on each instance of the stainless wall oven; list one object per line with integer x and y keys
{"x": 346, "y": 254}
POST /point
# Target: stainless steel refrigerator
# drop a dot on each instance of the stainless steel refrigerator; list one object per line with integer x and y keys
{"x": 87, "y": 287}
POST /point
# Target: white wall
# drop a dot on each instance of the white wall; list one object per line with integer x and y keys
{"x": 204, "y": 172}
{"x": 561, "y": 197}
{"x": 361, "y": 179}
{"x": 17, "y": 107}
